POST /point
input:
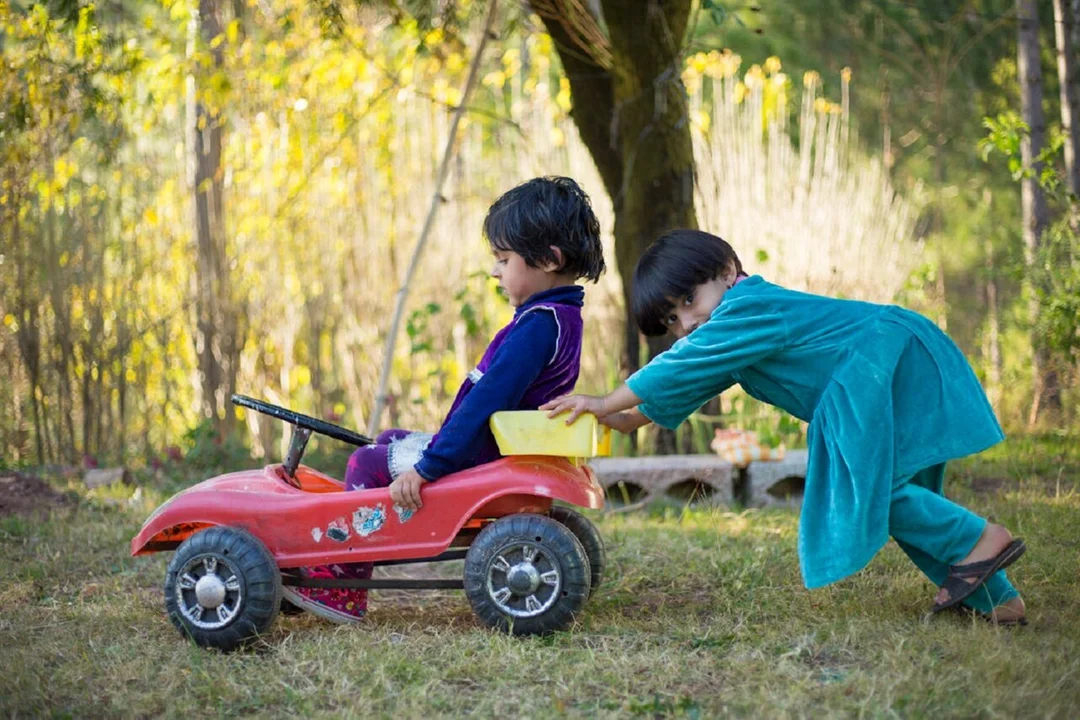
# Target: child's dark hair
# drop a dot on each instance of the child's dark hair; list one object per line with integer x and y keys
{"x": 674, "y": 265}
{"x": 546, "y": 212}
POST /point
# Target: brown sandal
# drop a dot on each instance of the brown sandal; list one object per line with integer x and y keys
{"x": 958, "y": 583}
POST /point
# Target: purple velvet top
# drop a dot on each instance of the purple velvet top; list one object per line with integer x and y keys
{"x": 535, "y": 358}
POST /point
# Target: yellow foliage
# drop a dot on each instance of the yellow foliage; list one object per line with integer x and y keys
{"x": 701, "y": 120}
{"x": 563, "y": 98}
{"x": 452, "y": 372}
{"x": 495, "y": 79}
{"x": 691, "y": 80}
{"x": 63, "y": 170}
{"x": 300, "y": 377}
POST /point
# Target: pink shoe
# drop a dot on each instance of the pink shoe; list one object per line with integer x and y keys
{"x": 339, "y": 605}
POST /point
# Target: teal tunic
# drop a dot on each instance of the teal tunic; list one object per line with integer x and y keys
{"x": 884, "y": 391}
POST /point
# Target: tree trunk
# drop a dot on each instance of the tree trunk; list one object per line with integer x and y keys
{"x": 939, "y": 210}
{"x": 215, "y": 336}
{"x": 993, "y": 325}
{"x": 1064, "y": 34}
{"x": 63, "y": 354}
{"x": 629, "y": 105}
{"x": 1033, "y": 200}
{"x": 28, "y": 336}
{"x": 316, "y": 324}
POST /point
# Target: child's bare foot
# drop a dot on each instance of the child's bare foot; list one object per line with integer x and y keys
{"x": 994, "y": 540}
{"x": 1010, "y": 612}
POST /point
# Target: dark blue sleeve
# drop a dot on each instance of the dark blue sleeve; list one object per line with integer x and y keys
{"x": 517, "y": 363}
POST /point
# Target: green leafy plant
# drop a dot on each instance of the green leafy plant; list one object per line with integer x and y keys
{"x": 208, "y": 450}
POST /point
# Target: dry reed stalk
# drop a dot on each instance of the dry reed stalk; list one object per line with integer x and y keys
{"x": 436, "y": 199}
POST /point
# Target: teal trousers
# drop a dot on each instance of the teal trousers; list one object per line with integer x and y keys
{"x": 936, "y": 533}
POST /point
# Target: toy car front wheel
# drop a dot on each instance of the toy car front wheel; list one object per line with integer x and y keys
{"x": 222, "y": 588}
{"x": 527, "y": 574}
{"x": 590, "y": 540}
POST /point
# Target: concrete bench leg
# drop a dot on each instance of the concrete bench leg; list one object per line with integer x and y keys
{"x": 768, "y": 483}
{"x": 680, "y": 478}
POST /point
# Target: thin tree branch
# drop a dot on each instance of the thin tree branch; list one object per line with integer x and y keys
{"x": 436, "y": 200}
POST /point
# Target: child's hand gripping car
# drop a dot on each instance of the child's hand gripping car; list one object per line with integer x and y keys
{"x": 529, "y": 564}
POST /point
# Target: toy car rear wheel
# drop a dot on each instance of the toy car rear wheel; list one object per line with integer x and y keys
{"x": 527, "y": 574}
{"x": 590, "y": 540}
{"x": 222, "y": 588}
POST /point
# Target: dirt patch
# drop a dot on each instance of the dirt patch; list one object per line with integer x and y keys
{"x": 991, "y": 485}
{"x": 25, "y": 494}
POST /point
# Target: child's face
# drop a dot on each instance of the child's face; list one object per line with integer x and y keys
{"x": 518, "y": 279}
{"x": 694, "y": 308}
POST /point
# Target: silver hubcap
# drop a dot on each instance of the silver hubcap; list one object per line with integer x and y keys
{"x": 523, "y": 580}
{"x": 208, "y": 592}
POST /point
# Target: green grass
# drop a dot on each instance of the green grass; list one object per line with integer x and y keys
{"x": 703, "y": 613}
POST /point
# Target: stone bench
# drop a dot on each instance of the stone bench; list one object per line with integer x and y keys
{"x": 768, "y": 483}
{"x": 681, "y": 478}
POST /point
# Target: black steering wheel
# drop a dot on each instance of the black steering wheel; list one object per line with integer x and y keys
{"x": 303, "y": 426}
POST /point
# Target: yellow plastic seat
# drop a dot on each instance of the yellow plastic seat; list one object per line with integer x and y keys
{"x": 532, "y": 432}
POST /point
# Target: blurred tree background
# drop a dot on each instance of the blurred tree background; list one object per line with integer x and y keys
{"x": 201, "y": 197}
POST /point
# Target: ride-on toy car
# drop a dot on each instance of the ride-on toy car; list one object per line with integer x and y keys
{"x": 529, "y": 564}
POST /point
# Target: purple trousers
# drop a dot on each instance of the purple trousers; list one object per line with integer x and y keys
{"x": 369, "y": 466}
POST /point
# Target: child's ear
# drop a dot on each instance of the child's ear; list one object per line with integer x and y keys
{"x": 730, "y": 274}
{"x": 557, "y": 264}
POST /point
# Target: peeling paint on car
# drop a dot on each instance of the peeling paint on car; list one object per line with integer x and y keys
{"x": 338, "y": 530}
{"x": 367, "y": 520}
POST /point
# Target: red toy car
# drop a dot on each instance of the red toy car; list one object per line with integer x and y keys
{"x": 529, "y": 564}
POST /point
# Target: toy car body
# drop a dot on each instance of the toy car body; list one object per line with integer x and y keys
{"x": 529, "y": 564}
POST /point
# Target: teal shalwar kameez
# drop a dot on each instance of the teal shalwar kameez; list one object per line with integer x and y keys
{"x": 889, "y": 398}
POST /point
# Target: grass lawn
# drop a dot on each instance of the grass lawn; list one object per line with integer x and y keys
{"x": 702, "y": 613}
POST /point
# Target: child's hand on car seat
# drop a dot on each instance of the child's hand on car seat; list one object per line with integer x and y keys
{"x": 405, "y": 491}
{"x": 577, "y": 405}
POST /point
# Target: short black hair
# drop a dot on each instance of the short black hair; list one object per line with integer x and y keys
{"x": 674, "y": 265}
{"x": 546, "y": 212}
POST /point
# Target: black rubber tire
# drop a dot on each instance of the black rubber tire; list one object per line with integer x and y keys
{"x": 554, "y": 539}
{"x": 590, "y": 540}
{"x": 287, "y": 608}
{"x": 258, "y": 577}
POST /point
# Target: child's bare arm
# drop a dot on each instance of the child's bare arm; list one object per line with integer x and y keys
{"x": 625, "y": 422}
